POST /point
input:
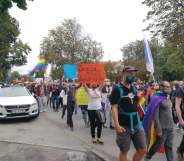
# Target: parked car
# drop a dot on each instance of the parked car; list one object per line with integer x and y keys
{"x": 17, "y": 102}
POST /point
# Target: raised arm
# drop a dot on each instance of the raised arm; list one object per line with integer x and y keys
{"x": 178, "y": 110}
{"x": 85, "y": 87}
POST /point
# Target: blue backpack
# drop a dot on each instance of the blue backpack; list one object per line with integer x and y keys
{"x": 130, "y": 114}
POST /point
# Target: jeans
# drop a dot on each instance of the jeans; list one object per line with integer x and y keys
{"x": 167, "y": 140}
{"x": 84, "y": 113}
{"x": 181, "y": 147}
{"x": 54, "y": 102}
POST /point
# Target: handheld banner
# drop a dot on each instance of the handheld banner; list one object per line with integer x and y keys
{"x": 70, "y": 71}
{"x": 91, "y": 73}
{"x": 81, "y": 96}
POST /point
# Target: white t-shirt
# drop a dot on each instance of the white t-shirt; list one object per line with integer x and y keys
{"x": 62, "y": 93}
{"x": 65, "y": 99}
{"x": 94, "y": 99}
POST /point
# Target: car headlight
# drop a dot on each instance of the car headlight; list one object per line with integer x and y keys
{"x": 34, "y": 104}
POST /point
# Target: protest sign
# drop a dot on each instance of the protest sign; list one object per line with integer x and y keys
{"x": 70, "y": 71}
{"x": 81, "y": 96}
{"x": 91, "y": 73}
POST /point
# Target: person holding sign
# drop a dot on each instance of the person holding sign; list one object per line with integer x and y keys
{"x": 94, "y": 113}
{"x": 82, "y": 102}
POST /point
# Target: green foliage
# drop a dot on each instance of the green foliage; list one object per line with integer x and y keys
{"x": 110, "y": 71}
{"x": 172, "y": 66}
{"x": 68, "y": 44}
{"x": 6, "y": 4}
{"x": 14, "y": 75}
{"x": 133, "y": 54}
{"x": 57, "y": 73}
{"x": 12, "y": 50}
{"x": 168, "y": 59}
{"x": 166, "y": 17}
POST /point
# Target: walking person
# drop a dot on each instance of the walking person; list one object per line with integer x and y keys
{"x": 124, "y": 101}
{"x": 179, "y": 105}
{"x": 82, "y": 102}
{"x": 94, "y": 107}
{"x": 70, "y": 106}
{"x": 55, "y": 95}
{"x": 65, "y": 101}
{"x": 159, "y": 113}
{"x": 41, "y": 93}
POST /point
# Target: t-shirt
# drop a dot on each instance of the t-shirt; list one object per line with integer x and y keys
{"x": 126, "y": 103}
{"x": 94, "y": 99}
{"x": 180, "y": 94}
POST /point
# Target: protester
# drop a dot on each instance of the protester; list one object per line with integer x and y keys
{"x": 82, "y": 102}
{"x": 160, "y": 112}
{"x": 149, "y": 92}
{"x": 70, "y": 105}
{"x": 55, "y": 95}
{"x": 41, "y": 93}
{"x": 128, "y": 127}
{"x": 106, "y": 91}
{"x": 179, "y": 105}
{"x": 65, "y": 100}
{"x": 94, "y": 112}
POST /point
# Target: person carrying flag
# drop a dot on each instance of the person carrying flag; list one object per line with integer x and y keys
{"x": 158, "y": 123}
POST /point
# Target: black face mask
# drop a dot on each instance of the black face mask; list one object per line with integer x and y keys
{"x": 130, "y": 79}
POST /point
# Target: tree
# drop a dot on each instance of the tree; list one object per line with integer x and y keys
{"x": 166, "y": 17}
{"x": 6, "y": 4}
{"x": 14, "y": 75}
{"x": 110, "y": 70}
{"x": 133, "y": 54}
{"x": 172, "y": 67}
{"x": 68, "y": 44}
{"x": 12, "y": 50}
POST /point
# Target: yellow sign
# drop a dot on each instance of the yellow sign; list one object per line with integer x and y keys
{"x": 81, "y": 96}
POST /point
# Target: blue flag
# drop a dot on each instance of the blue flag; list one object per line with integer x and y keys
{"x": 148, "y": 58}
{"x": 70, "y": 71}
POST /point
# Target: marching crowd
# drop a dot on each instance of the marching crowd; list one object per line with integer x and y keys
{"x": 142, "y": 112}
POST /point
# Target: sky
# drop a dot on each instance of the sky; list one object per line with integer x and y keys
{"x": 113, "y": 23}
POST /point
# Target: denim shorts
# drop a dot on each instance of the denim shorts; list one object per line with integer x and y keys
{"x": 123, "y": 140}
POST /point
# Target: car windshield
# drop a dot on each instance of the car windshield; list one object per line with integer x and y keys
{"x": 13, "y": 92}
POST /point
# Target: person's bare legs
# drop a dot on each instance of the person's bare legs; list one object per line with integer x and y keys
{"x": 123, "y": 156}
{"x": 139, "y": 154}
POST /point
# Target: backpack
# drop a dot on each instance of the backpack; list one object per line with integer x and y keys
{"x": 130, "y": 114}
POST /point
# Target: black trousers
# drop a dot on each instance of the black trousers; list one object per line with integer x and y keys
{"x": 70, "y": 110}
{"x": 95, "y": 121}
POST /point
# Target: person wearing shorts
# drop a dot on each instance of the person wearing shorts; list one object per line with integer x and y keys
{"x": 124, "y": 102}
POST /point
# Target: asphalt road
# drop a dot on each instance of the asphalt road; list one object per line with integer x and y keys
{"x": 47, "y": 138}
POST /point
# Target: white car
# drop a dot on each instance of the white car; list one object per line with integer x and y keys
{"x": 17, "y": 102}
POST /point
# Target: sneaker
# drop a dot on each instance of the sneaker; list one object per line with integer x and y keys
{"x": 99, "y": 142}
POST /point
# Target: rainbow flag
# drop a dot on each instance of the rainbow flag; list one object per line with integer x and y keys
{"x": 41, "y": 67}
{"x": 148, "y": 121}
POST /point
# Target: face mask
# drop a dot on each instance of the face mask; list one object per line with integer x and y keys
{"x": 167, "y": 91}
{"x": 130, "y": 79}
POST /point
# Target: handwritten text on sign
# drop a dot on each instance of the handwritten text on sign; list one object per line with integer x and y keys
{"x": 91, "y": 73}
